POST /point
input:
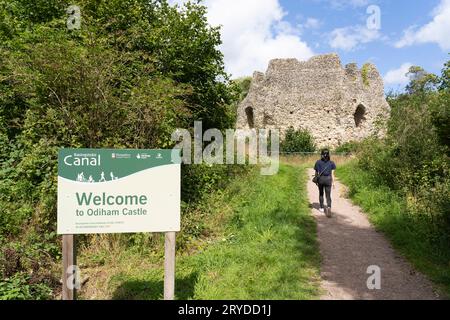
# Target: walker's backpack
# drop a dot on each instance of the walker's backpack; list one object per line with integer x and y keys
{"x": 317, "y": 176}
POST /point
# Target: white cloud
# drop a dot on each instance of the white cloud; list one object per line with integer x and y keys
{"x": 398, "y": 76}
{"x": 312, "y": 23}
{"x": 253, "y": 32}
{"x": 437, "y": 31}
{"x": 340, "y": 4}
{"x": 348, "y": 38}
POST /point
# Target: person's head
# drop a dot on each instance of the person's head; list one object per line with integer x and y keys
{"x": 325, "y": 155}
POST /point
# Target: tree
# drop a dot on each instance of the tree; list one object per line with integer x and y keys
{"x": 135, "y": 71}
{"x": 441, "y": 108}
{"x": 181, "y": 42}
{"x": 421, "y": 81}
{"x": 445, "y": 78}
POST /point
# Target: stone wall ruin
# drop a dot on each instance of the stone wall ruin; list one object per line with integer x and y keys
{"x": 335, "y": 104}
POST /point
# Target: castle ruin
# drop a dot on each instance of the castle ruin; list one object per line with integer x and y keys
{"x": 335, "y": 104}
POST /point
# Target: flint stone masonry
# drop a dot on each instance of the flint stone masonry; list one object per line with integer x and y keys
{"x": 335, "y": 104}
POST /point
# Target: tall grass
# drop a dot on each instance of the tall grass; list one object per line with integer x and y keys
{"x": 260, "y": 244}
{"x": 409, "y": 234}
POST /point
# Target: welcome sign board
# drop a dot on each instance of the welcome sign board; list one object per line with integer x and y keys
{"x": 118, "y": 191}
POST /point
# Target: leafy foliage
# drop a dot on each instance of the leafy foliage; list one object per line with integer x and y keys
{"x": 413, "y": 158}
{"x": 348, "y": 147}
{"x": 440, "y": 111}
{"x": 445, "y": 78}
{"x": 365, "y": 74}
{"x": 244, "y": 86}
{"x": 298, "y": 141}
{"x": 421, "y": 81}
{"x": 403, "y": 180}
{"x": 18, "y": 287}
{"x": 135, "y": 71}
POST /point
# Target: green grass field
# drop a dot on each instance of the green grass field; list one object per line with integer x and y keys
{"x": 262, "y": 246}
{"x": 387, "y": 211}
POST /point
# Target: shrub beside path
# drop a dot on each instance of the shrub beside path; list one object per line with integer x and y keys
{"x": 349, "y": 244}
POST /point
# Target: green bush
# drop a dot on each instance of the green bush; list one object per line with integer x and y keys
{"x": 135, "y": 71}
{"x": 440, "y": 117}
{"x": 200, "y": 180}
{"x": 18, "y": 287}
{"x": 348, "y": 147}
{"x": 25, "y": 268}
{"x": 297, "y": 141}
{"x": 243, "y": 85}
{"x": 413, "y": 157}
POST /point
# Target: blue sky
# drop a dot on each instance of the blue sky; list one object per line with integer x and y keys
{"x": 409, "y": 33}
{"x": 396, "y": 17}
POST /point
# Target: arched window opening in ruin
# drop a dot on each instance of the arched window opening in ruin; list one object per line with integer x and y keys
{"x": 250, "y": 117}
{"x": 360, "y": 115}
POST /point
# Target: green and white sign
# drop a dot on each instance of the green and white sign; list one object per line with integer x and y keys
{"x": 118, "y": 191}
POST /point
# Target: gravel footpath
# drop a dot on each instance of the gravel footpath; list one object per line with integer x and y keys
{"x": 349, "y": 244}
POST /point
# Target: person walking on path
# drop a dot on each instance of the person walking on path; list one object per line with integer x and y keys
{"x": 325, "y": 169}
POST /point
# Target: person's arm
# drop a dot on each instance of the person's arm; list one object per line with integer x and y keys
{"x": 333, "y": 177}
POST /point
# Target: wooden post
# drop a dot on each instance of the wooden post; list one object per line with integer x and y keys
{"x": 69, "y": 259}
{"x": 169, "y": 266}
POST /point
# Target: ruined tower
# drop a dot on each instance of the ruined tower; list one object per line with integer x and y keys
{"x": 335, "y": 104}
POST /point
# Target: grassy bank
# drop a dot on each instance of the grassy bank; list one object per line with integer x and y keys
{"x": 409, "y": 234}
{"x": 260, "y": 243}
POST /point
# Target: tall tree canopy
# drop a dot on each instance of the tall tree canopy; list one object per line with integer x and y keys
{"x": 132, "y": 73}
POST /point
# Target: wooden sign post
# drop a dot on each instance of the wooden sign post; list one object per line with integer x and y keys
{"x": 70, "y": 278}
{"x": 169, "y": 266}
{"x": 69, "y": 259}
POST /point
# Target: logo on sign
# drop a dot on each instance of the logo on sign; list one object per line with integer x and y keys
{"x": 77, "y": 161}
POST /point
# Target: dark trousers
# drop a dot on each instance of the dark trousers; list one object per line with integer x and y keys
{"x": 325, "y": 183}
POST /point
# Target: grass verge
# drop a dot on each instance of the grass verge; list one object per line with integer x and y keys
{"x": 261, "y": 244}
{"x": 386, "y": 210}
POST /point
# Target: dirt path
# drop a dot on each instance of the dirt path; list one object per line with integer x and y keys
{"x": 349, "y": 245}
